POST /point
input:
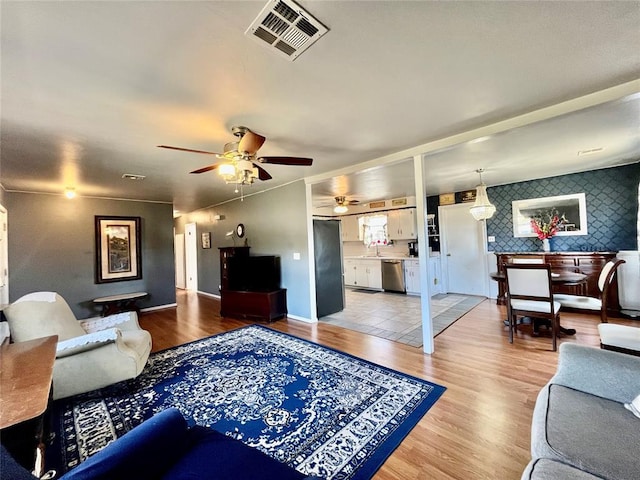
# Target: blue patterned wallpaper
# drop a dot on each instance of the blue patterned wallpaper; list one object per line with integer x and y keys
{"x": 612, "y": 210}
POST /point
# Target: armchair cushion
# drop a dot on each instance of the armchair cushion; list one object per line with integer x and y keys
{"x": 123, "y": 321}
{"x": 86, "y": 342}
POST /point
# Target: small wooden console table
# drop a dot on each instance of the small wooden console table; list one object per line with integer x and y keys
{"x": 125, "y": 302}
{"x": 25, "y": 382}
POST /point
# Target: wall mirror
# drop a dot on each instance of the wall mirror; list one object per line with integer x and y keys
{"x": 573, "y": 207}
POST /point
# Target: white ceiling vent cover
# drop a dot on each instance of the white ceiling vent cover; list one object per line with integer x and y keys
{"x": 286, "y": 28}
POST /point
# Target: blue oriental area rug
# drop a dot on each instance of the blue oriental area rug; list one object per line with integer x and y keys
{"x": 323, "y": 412}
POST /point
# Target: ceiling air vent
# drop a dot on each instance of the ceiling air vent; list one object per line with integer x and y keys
{"x": 285, "y": 28}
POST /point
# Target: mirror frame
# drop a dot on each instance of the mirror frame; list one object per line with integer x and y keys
{"x": 522, "y": 209}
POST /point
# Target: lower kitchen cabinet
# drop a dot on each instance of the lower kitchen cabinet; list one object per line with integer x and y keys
{"x": 363, "y": 273}
{"x": 435, "y": 274}
{"x": 412, "y": 276}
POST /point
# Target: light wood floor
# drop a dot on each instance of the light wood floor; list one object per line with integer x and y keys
{"x": 480, "y": 427}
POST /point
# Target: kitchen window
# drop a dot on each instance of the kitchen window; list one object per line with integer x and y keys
{"x": 374, "y": 228}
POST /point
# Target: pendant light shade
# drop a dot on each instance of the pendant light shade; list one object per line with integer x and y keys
{"x": 482, "y": 208}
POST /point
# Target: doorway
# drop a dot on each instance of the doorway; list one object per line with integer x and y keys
{"x": 180, "y": 264}
{"x": 463, "y": 250}
{"x": 191, "y": 257}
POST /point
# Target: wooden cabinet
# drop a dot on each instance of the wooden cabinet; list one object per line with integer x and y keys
{"x": 363, "y": 273}
{"x": 225, "y": 254}
{"x": 350, "y": 228}
{"x": 266, "y": 306}
{"x": 254, "y": 305}
{"x": 588, "y": 263}
{"x": 401, "y": 224}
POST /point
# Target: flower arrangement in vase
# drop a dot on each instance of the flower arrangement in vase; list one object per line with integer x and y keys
{"x": 545, "y": 225}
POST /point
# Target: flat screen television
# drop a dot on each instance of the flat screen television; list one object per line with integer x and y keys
{"x": 254, "y": 273}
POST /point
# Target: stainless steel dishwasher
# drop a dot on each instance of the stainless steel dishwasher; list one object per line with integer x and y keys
{"x": 393, "y": 276}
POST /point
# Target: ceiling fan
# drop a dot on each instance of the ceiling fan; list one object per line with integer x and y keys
{"x": 342, "y": 204}
{"x": 240, "y": 163}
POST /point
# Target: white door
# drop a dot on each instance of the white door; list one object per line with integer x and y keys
{"x": 463, "y": 250}
{"x": 4, "y": 258}
{"x": 191, "y": 256}
{"x": 179, "y": 249}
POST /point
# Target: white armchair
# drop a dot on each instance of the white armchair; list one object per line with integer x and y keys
{"x": 91, "y": 353}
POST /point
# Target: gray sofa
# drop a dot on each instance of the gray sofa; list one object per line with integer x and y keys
{"x": 581, "y": 429}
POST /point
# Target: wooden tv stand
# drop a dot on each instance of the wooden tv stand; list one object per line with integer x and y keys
{"x": 267, "y": 306}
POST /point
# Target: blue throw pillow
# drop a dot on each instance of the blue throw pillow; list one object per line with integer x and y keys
{"x": 143, "y": 453}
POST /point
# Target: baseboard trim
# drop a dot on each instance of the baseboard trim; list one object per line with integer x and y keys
{"x": 159, "y": 307}
{"x": 301, "y": 319}
{"x": 207, "y": 294}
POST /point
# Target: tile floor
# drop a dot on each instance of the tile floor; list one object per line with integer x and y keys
{"x": 396, "y": 316}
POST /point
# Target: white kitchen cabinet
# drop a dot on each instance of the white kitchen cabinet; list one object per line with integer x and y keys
{"x": 374, "y": 273}
{"x": 412, "y": 276}
{"x": 350, "y": 228}
{"x": 435, "y": 274}
{"x": 401, "y": 224}
{"x": 363, "y": 273}
{"x": 350, "y": 267}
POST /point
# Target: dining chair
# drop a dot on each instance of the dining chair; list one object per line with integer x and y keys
{"x": 592, "y": 303}
{"x": 529, "y": 294}
{"x": 620, "y": 338}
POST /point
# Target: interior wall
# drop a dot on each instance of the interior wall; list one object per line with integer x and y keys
{"x": 52, "y": 248}
{"x": 612, "y": 210}
{"x": 275, "y": 223}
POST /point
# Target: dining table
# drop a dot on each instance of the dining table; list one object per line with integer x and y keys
{"x": 560, "y": 278}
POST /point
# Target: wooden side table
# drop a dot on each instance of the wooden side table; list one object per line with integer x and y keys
{"x": 125, "y": 302}
{"x": 26, "y": 374}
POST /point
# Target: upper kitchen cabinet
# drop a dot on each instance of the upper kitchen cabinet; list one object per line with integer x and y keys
{"x": 350, "y": 228}
{"x": 401, "y": 224}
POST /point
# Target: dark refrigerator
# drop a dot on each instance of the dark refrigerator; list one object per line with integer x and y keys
{"x": 328, "y": 261}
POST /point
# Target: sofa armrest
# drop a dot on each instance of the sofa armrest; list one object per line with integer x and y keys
{"x": 123, "y": 321}
{"x": 607, "y": 374}
{"x": 87, "y": 342}
{"x": 143, "y": 453}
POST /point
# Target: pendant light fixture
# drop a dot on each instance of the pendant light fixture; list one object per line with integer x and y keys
{"x": 482, "y": 208}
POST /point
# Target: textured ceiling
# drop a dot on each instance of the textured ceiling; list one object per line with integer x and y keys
{"x": 90, "y": 88}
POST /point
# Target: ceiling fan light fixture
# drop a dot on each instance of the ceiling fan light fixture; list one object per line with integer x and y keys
{"x": 482, "y": 208}
{"x": 70, "y": 193}
{"x": 227, "y": 171}
{"x": 340, "y": 209}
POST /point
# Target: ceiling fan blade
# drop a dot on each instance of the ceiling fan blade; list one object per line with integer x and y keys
{"x": 187, "y": 150}
{"x": 304, "y": 162}
{"x": 250, "y": 142}
{"x": 262, "y": 173}
{"x": 207, "y": 168}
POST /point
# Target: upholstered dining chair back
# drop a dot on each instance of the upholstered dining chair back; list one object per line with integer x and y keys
{"x": 607, "y": 273}
{"x": 529, "y": 293}
{"x": 599, "y": 304}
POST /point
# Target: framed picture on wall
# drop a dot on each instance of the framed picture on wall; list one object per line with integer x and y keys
{"x": 206, "y": 240}
{"x": 118, "y": 250}
{"x": 572, "y": 209}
